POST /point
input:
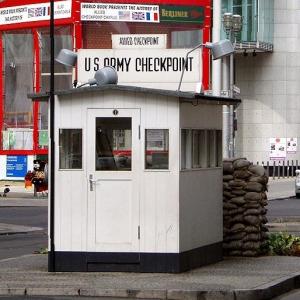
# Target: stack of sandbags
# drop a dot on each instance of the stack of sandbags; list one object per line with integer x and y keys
{"x": 244, "y": 201}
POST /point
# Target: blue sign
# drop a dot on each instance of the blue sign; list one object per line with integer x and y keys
{"x": 16, "y": 165}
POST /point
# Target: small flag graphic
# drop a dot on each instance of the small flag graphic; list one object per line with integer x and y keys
{"x": 152, "y": 16}
{"x": 138, "y": 16}
{"x": 37, "y": 12}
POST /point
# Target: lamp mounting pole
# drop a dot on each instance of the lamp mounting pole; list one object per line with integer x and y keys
{"x": 185, "y": 64}
{"x": 51, "y": 257}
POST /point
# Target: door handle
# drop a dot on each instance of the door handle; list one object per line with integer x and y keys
{"x": 92, "y": 182}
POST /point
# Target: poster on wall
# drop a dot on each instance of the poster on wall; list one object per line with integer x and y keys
{"x": 291, "y": 145}
{"x": 142, "y": 66}
{"x": 277, "y": 148}
{"x": 118, "y": 12}
{"x": 16, "y": 166}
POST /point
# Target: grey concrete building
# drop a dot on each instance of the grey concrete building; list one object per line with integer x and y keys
{"x": 267, "y": 68}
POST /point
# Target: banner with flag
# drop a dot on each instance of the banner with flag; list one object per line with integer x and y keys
{"x": 34, "y": 12}
{"x": 116, "y": 12}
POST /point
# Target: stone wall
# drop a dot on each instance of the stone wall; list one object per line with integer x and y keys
{"x": 244, "y": 201}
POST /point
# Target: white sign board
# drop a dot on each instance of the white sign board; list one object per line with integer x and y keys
{"x": 34, "y": 12}
{"x": 291, "y": 145}
{"x": 277, "y": 148}
{"x": 117, "y": 12}
{"x": 133, "y": 41}
{"x": 143, "y": 67}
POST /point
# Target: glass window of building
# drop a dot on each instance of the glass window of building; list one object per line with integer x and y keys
{"x": 70, "y": 149}
{"x": 201, "y": 148}
{"x": 157, "y": 149}
{"x": 17, "y": 130}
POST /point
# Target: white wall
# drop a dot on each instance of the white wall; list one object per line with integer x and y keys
{"x": 270, "y": 88}
{"x": 201, "y": 203}
{"x": 159, "y": 208}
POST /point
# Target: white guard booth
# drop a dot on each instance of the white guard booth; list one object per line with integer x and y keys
{"x": 138, "y": 179}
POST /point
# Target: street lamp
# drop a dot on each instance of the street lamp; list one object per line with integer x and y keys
{"x": 219, "y": 50}
{"x": 51, "y": 261}
{"x": 232, "y": 25}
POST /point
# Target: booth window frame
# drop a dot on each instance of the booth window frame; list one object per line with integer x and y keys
{"x": 200, "y": 148}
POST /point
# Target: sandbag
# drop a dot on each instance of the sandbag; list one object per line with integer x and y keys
{"x": 237, "y": 183}
{"x": 238, "y": 200}
{"x": 241, "y": 174}
{"x": 257, "y": 170}
{"x": 253, "y": 196}
{"x": 251, "y": 229}
{"x": 237, "y": 227}
{"x": 252, "y": 220}
{"x": 241, "y": 163}
{"x": 227, "y": 167}
{"x": 237, "y": 192}
{"x": 227, "y": 177}
{"x": 256, "y": 237}
{"x": 252, "y": 211}
{"x": 249, "y": 253}
{"x": 254, "y": 187}
{"x": 251, "y": 246}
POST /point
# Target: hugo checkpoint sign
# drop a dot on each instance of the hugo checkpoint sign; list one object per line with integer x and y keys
{"x": 142, "y": 66}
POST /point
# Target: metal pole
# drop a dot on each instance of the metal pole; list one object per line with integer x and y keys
{"x": 185, "y": 64}
{"x": 231, "y": 130}
{"x": 51, "y": 257}
{"x": 216, "y": 35}
{"x": 226, "y": 109}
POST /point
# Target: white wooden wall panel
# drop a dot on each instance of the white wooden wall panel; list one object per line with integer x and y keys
{"x": 201, "y": 215}
{"x": 201, "y": 116}
{"x": 200, "y": 190}
{"x": 159, "y": 207}
{"x": 70, "y": 186}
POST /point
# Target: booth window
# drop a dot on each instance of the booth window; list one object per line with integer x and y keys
{"x": 70, "y": 148}
{"x": 157, "y": 149}
{"x": 201, "y": 148}
{"x": 113, "y": 144}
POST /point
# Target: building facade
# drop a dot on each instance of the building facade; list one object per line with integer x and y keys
{"x": 145, "y": 41}
{"x": 267, "y": 73}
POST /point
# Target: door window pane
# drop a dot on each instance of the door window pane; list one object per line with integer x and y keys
{"x": 70, "y": 148}
{"x": 113, "y": 144}
{"x": 157, "y": 149}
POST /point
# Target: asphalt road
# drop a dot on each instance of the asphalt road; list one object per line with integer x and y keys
{"x": 289, "y": 207}
{"x": 14, "y": 245}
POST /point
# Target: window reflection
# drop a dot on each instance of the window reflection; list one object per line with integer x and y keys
{"x": 113, "y": 144}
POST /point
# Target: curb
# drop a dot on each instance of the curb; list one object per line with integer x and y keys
{"x": 267, "y": 291}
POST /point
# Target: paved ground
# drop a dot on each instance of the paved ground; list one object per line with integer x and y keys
{"x": 233, "y": 278}
{"x": 281, "y": 188}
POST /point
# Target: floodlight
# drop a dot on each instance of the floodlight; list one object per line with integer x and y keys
{"x": 67, "y": 57}
{"x": 106, "y": 75}
{"x": 218, "y": 50}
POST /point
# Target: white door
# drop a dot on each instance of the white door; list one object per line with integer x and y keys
{"x": 113, "y": 162}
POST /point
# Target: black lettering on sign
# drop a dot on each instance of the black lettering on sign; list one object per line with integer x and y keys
{"x": 96, "y": 64}
{"x": 87, "y": 64}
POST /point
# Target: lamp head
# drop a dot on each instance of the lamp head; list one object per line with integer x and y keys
{"x": 67, "y": 57}
{"x": 237, "y": 23}
{"x": 227, "y": 21}
{"x": 106, "y": 75}
{"x": 220, "y": 49}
